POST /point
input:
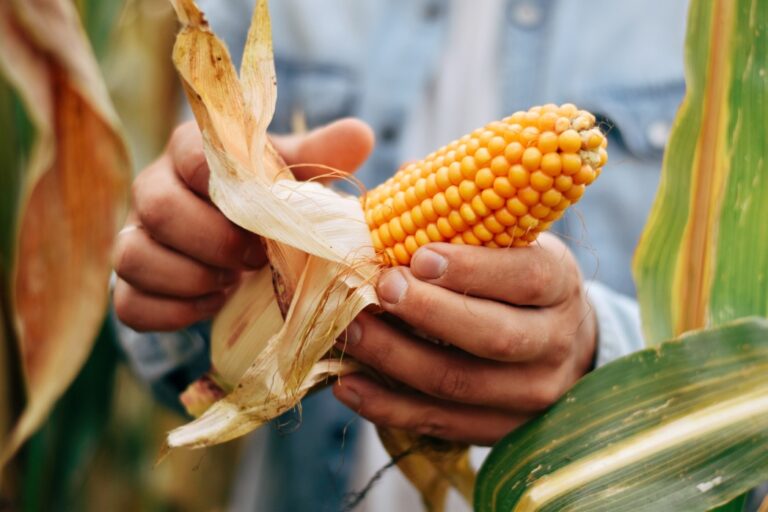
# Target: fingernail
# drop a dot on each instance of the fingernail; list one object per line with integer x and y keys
{"x": 348, "y": 397}
{"x": 227, "y": 277}
{"x": 352, "y": 335}
{"x": 210, "y": 303}
{"x": 392, "y": 287}
{"x": 254, "y": 255}
{"x": 428, "y": 264}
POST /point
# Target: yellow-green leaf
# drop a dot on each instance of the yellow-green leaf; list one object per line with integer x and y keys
{"x": 680, "y": 427}
{"x": 703, "y": 258}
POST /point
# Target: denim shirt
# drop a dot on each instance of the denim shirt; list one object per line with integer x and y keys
{"x": 373, "y": 59}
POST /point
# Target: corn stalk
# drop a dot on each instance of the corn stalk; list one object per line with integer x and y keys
{"x": 684, "y": 425}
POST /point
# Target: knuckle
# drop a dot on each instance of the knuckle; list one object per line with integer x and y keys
{"x": 560, "y": 347}
{"x": 230, "y": 242}
{"x": 124, "y": 305}
{"x": 544, "y": 394}
{"x": 125, "y": 261}
{"x": 541, "y": 279}
{"x": 452, "y": 382}
{"x": 155, "y": 208}
{"x": 179, "y": 135}
{"x": 431, "y": 423}
{"x": 508, "y": 343}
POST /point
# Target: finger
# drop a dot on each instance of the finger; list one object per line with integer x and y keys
{"x": 186, "y": 151}
{"x": 153, "y": 268}
{"x": 342, "y": 145}
{"x": 177, "y": 218}
{"x": 481, "y": 327}
{"x": 424, "y": 415}
{"x": 448, "y": 373}
{"x": 146, "y": 312}
{"x": 542, "y": 274}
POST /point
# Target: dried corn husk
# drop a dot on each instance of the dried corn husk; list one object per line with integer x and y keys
{"x": 317, "y": 241}
{"x": 322, "y": 263}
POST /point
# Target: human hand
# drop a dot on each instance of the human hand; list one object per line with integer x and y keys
{"x": 178, "y": 255}
{"x": 520, "y": 328}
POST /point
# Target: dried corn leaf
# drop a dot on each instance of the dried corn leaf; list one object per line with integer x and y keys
{"x": 432, "y": 465}
{"x": 74, "y": 196}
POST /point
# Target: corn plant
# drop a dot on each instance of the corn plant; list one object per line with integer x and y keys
{"x": 682, "y": 425}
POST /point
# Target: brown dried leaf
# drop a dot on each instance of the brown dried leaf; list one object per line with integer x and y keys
{"x": 75, "y": 195}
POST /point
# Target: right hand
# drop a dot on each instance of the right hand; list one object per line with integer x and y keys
{"x": 178, "y": 256}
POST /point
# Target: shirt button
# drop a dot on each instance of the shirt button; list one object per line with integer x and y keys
{"x": 432, "y": 11}
{"x": 388, "y": 133}
{"x": 526, "y": 14}
{"x": 657, "y": 134}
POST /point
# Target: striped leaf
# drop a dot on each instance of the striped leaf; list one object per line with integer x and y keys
{"x": 703, "y": 258}
{"x": 680, "y": 427}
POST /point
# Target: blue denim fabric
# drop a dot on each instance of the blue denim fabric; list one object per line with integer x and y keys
{"x": 372, "y": 59}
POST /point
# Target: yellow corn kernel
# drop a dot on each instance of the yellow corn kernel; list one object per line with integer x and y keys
{"x": 571, "y": 163}
{"x": 541, "y": 181}
{"x": 531, "y": 158}
{"x": 454, "y": 173}
{"x": 503, "y": 240}
{"x": 479, "y": 206}
{"x": 499, "y": 186}
{"x": 411, "y": 245}
{"x": 457, "y": 222}
{"x": 421, "y": 237}
{"x": 445, "y": 228}
{"x": 529, "y": 196}
{"x": 516, "y": 207}
{"x": 453, "y": 196}
{"x": 491, "y": 199}
{"x": 493, "y": 225}
{"x": 396, "y": 229}
{"x": 548, "y": 142}
{"x": 484, "y": 178}
{"x": 468, "y": 189}
{"x": 406, "y": 220}
{"x": 503, "y": 187}
{"x": 499, "y": 166}
{"x": 482, "y": 232}
{"x": 514, "y": 152}
{"x": 433, "y": 233}
{"x": 401, "y": 254}
{"x": 505, "y": 217}
{"x": 440, "y": 204}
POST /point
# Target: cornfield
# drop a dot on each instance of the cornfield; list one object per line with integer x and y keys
{"x": 88, "y": 96}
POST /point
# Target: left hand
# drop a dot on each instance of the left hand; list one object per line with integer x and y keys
{"x": 520, "y": 329}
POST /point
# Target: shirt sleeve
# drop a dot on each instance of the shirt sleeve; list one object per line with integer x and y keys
{"x": 166, "y": 361}
{"x": 618, "y": 323}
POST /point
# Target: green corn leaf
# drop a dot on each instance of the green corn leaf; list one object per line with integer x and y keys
{"x": 703, "y": 258}
{"x": 680, "y": 427}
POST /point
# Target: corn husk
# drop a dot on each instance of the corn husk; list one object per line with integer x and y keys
{"x": 72, "y": 199}
{"x": 317, "y": 241}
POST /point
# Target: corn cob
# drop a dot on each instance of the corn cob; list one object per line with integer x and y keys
{"x": 499, "y": 186}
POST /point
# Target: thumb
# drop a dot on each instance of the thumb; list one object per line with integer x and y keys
{"x": 342, "y": 145}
